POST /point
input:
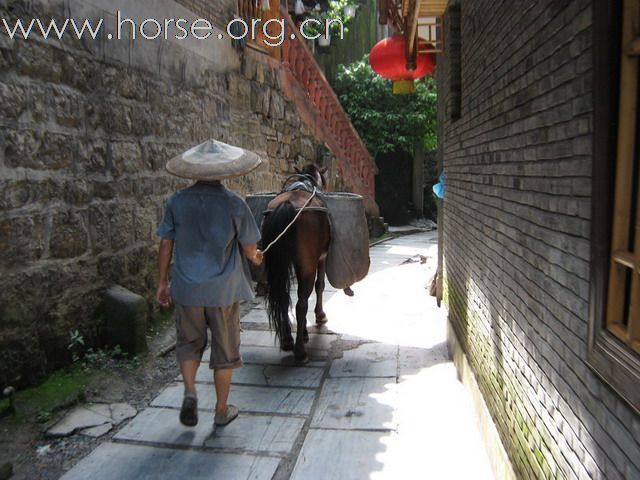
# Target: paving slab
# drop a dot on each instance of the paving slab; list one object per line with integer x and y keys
{"x": 413, "y": 360}
{"x": 262, "y": 338}
{"x": 92, "y": 415}
{"x": 162, "y": 426}
{"x": 395, "y": 259}
{"x": 81, "y": 417}
{"x": 247, "y": 398}
{"x": 363, "y": 403}
{"x": 390, "y": 408}
{"x": 265, "y": 338}
{"x": 252, "y": 354}
{"x": 320, "y": 341}
{"x": 255, "y": 315}
{"x": 275, "y": 356}
{"x": 353, "y": 455}
{"x": 259, "y": 433}
{"x": 388, "y": 455}
{"x": 258, "y": 315}
{"x": 368, "y": 360}
{"x": 121, "y": 412}
{"x": 136, "y": 462}
{"x": 393, "y": 307}
{"x": 435, "y": 422}
{"x": 267, "y": 375}
{"x": 96, "y": 432}
{"x": 324, "y": 329}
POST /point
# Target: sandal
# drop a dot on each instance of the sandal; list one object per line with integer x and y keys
{"x": 231, "y": 414}
{"x": 189, "y": 411}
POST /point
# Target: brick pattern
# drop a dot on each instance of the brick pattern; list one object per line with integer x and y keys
{"x": 219, "y": 12}
{"x": 83, "y": 143}
{"x": 516, "y": 238}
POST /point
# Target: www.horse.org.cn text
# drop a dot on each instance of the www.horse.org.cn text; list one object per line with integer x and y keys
{"x": 273, "y": 32}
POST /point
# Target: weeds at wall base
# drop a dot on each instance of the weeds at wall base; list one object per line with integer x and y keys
{"x": 62, "y": 389}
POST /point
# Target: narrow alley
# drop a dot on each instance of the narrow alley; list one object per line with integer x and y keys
{"x": 379, "y": 398}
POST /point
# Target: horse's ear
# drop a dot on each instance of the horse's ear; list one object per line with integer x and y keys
{"x": 297, "y": 169}
{"x": 323, "y": 170}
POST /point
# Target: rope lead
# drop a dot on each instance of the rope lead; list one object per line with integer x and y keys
{"x": 306, "y": 204}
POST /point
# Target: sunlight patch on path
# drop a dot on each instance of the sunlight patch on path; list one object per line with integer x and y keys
{"x": 390, "y": 306}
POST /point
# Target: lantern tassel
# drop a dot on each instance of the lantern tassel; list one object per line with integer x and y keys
{"x": 403, "y": 87}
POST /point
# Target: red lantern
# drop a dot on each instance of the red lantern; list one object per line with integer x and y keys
{"x": 387, "y": 59}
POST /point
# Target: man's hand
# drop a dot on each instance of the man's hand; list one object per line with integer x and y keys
{"x": 253, "y": 254}
{"x": 163, "y": 297}
{"x": 258, "y": 257}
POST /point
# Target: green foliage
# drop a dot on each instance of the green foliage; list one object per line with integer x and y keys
{"x": 109, "y": 358}
{"x": 160, "y": 321}
{"x": 76, "y": 343}
{"x": 99, "y": 357}
{"x": 334, "y": 12}
{"x": 62, "y": 388}
{"x": 387, "y": 122}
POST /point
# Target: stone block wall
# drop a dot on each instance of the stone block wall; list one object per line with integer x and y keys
{"x": 516, "y": 234}
{"x": 85, "y": 130}
{"x": 218, "y": 12}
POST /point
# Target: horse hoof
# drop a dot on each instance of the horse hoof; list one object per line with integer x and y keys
{"x": 321, "y": 319}
{"x": 287, "y": 346}
{"x": 303, "y": 360}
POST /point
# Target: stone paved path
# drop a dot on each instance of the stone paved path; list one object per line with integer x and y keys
{"x": 379, "y": 399}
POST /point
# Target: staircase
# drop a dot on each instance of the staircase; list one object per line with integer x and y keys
{"x": 306, "y": 86}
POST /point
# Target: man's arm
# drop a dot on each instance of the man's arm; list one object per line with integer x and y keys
{"x": 165, "y": 252}
{"x": 252, "y": 252}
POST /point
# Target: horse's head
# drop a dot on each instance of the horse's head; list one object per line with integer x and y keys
{"x": 315, "y": 174}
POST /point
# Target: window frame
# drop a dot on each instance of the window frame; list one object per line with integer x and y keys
{"x": 611, "y": 359}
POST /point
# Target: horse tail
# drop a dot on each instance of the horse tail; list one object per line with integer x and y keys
{"x": 279, "y": 266}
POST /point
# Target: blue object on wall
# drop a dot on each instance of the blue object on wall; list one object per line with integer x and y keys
{"x": 438, "y": 188}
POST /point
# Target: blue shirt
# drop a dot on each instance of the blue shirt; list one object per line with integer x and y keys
{"x": 208, "y": 223}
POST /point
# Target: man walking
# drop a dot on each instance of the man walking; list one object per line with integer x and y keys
{"x": 207, "y": 229}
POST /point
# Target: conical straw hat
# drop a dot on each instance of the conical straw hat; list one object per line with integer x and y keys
{"x": 213, "y": 160}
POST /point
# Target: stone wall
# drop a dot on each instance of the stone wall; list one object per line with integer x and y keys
{"x": 516, "y": 236}
{"x": 218, "y": 12}
{"x": 85, "y": 130}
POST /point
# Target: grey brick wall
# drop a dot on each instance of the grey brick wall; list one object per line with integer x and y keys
{"x": 85, "y": 131}
{"x": 218, "y": 12}
{"x": 516, "y": 237}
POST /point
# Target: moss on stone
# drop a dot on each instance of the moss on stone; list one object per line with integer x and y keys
{"x": 62, "y": 388}
{"x": 528, "y": 446}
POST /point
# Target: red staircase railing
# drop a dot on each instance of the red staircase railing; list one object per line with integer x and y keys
{"x": 307, "y": 87}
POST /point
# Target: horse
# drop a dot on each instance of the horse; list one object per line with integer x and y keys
{"x": 303, "y": 249}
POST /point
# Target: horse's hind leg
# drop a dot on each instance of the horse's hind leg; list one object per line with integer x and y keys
{"x": 305, "y": 287}
{"x": 286, "y": 344}
{"x": 321, "y": 317}
{"x": 286, "y": 339}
